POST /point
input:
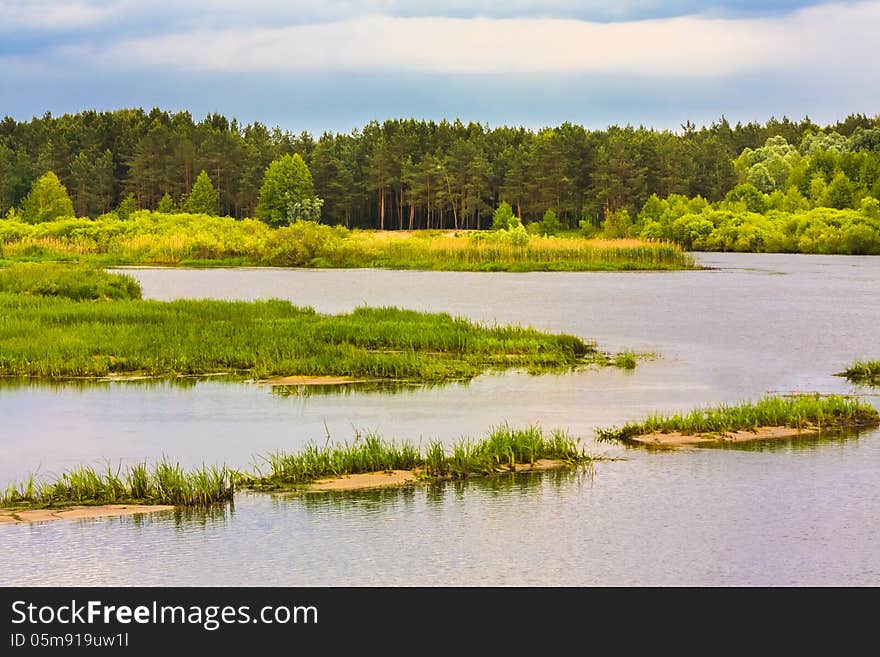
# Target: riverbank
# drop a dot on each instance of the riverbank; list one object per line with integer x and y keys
{"x": 153, "y": 238}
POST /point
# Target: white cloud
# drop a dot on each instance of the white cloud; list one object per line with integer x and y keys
{"x": 70, "y": 15}
{"x": 51, "y": 14}
{"x": 840, "y": 36}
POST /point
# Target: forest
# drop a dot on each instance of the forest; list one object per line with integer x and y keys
{"x": 778, "y": 186}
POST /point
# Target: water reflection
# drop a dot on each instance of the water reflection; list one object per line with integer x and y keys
{"x": 360, "y": 387}
{"x": 806, "y": 442}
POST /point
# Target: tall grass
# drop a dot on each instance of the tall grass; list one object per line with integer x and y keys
{"x": 502, "y": 450}
{"x": 867, "y": 372}
{"x": 169, "y": 239}
{"x": 55, "y": 337}
{"x": 164, "y": 483}
{"x": 803, "y": 412}
{"x": 79, "y": 283}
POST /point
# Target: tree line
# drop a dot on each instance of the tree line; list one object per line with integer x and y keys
{"x": 409, "y": 174}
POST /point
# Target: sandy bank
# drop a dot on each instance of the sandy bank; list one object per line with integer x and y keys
{"x": 676, "y": 438}
{"x": 78, "y": 512}
{"x": 403, "y": 477}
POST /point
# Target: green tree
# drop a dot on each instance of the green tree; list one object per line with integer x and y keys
{"x": 203, "y": 199}
{"x": 305, "y": 210}
{"x": 745, "y": 197}
{"x": 287, "y": 181}
{"x": 47, "y": 200}
{"x": 128, "y": 205}
{"x": 549, "y": 224}
{"x": 617, "y": 223}
{"x": 503, "y": 217}
{"x": 839, "y": 193}
{"x": 166, "y": 204}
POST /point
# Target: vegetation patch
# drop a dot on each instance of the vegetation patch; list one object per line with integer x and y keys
{"x": 80, "y": 283}
{"x": 771, "y": 417}
{"x": 165, "y": 483}
{"x": 865, "y": 372}
{"x": 504, "y": 450}
{"x": 50, "y": 336}
{"x": 155, "y": 238}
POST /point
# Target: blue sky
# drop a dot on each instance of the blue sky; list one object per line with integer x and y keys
{"x": 334, "y": 65}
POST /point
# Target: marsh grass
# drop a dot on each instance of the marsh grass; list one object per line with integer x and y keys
{"x": 501, "y": 451}
{"x": 76, "y": 282}
{"x": 164, "y": 483}
{"x": 832, "y": 413}
{"x": 865, "y": 372}
{"x": 52, "y": 337}
{"x": 176, "y": 239}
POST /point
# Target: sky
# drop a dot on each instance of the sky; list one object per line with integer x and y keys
{"x": 334, "y": 65}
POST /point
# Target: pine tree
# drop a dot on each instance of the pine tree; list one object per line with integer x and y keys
{"x": 203, "y": 199}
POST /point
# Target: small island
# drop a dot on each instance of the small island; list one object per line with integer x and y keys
{"x": 769, "y": 418}
{"x": 77, "y": 321}
{"x": 863, "y": 372}
{"x": 367, "y": 462}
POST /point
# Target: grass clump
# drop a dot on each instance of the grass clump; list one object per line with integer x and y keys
{"x": 76, "y": 282}
{"x": 866, "y": 372}
{"x": 164, "y": 483}
{"x": 47, "y": 331}
{"x": 502, "y": 450}
{"x": 806, "y": 412}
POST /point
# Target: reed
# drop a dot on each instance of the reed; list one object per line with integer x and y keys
{"x": 832, "y": 413}
{"x": 180, "y": 239}
{"x": 866, "y": 372}
{"x": 164, "y": 483}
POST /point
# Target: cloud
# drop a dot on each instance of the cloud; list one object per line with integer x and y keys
{"x": 52, "y": 15}
{"x": 130, "y": 16}
{"x": 842, "y": 36}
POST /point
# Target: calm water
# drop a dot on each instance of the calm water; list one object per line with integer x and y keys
{"x": 795, "y": 513}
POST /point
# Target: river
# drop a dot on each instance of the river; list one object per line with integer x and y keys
{"x": 794, "y": 513}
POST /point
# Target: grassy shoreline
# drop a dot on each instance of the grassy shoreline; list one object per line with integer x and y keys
{"x": 802, "y": 413}
{"x": 501, "y": 451}
{"x": 152, "y": 238}
{"x": 60, "y": 321}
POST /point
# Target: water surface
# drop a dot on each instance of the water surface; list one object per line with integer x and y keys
{"x": 802, "y": 512}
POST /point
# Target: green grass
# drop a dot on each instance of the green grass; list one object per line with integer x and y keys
{"x": 52, "y": 337}
{"x": 79, "y": 283}
{"x": 168, "y": 483}
{"x": 866, "y": 372}
{"x": 802, "y": 412}
{"x": 164, "y": 483}
{"x": 200, "y": 240}
{"x": 500, "y": 451}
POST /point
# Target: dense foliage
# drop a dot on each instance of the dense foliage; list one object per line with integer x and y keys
{"x": 155, "y": 238}
{"x": 425, "y": 174}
